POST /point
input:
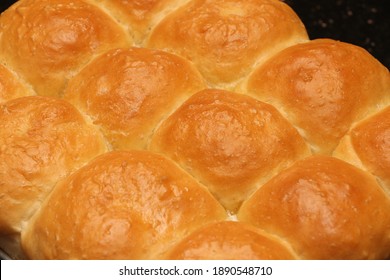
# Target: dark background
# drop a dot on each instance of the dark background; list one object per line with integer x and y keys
{"x": 365, "y": 23}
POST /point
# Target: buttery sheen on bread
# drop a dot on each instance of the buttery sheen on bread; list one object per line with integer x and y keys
{"x": 188, "y": 129}
{"x": 42, "y": 140}
{"x": 322, "y": 87}
{"x": 231, "y": 142}
{"x": 128, "y": 92}
{"x": 326, "y": 209}
{"x": 47, "y": 41}
{"x": 122, "y": 205}
{"x": 225, "y": 39}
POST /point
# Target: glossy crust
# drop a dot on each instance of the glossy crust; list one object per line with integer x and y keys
{"x": 322, "y": 86}
{"x": 47, "y": 41}
{"x": 226, "y": 38}
{"x": 326, "y": 209}
{"x": 230, "y": 241}
{"x": 230, "y": 142}
{"x": 127, "y": 92}
{"x": 11, "y": 86}
{"x": 42, "y": 140}
{"x": 367, "y": 145}
{"x": 185, "y": 129}
{"x": 122, "y": 205}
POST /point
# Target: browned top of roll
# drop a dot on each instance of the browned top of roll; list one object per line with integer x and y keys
{"x": 326, "y": 209}
{"x": 369, "y": 140}
{"x": 127, "y": 92}
{"x": 230, "y": 241}
{"x": 122, "y": 205}
{"x": 12, "y": 86}
{"x": 323, "y": 86}
{"x": 47, "y": 41}
{"x": 230, "y": 142}
{"x": 42, "y": 140}
{"x": 226, "y": 38}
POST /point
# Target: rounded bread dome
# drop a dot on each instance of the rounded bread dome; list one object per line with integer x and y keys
{"x": 42, "y": 139}
{"x": 322, "y": 87}
{"x": 127, "y": 92}
{"x": 225, "y": 39}
{"x": 228, "y": 240}
{"x": 122, "y": 205}
{"x": 230, "y": 142}
{"x": 325, "y": 208}
{"x": 48, "y": 41}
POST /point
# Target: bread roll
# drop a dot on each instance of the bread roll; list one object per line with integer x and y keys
{"x": 326, "y": 209}
{"x": 122, "y": 205}
{"x": 322, "y": 87}
{"x": 225, "y": 39}
{"x": 367, "y": 146}
{"x": 42, "y": 139}
{"x": 127, "y": 92}
{"x": 11, "y": 86}
{"x": 230, "y": 142}
{"x": 229, "y": 240}
{"x": 48, "y": 41}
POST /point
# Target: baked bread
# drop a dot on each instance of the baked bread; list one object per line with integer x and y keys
{"x": 128, "y": 92}
{"x": 11, "y": 86}
{"x": 188, "y": 129}
{"x": 325, "y": 208}
{"x": 42, "y": 140}
{"x": 122, "y": 205}
{"x": 225, "y": 39}
{"x": 237, "y": 143}
{"x": 230, "y": 240}
{"x": 140, "y": 16}
{"x": 367, "y": 145}
{"x": 48, "y": 41}
{"x": 322, "y": 87}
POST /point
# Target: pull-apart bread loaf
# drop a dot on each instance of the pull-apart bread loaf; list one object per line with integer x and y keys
{"x": 188, "y": 129}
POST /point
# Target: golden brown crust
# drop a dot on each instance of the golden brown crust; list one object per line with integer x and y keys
{"x": 122, "y": 205}
{"x": 158, "y": 81}
{"x": 230, "y": 241}
{"x": 230, "y": 142}
{"x": 326, "y": 209}
{"x": 323, "y": 86}
{"x": 226, "y": 38}
{"x": 47, "y": 41}
{"x": 41, "y": 141}
{"x": 127, "y": 92}
{"x": 367, "y": 145}
{"x": 11, "y": 86}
